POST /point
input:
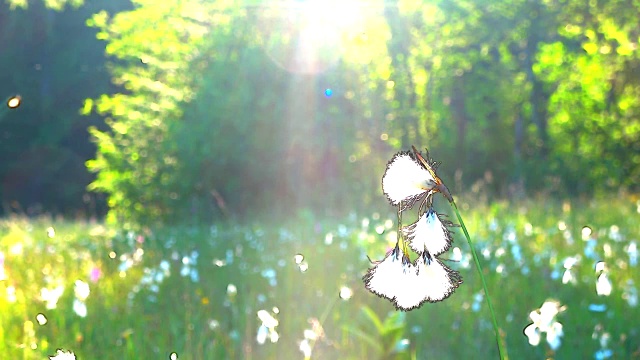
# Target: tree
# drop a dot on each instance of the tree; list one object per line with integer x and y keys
{"x": 54, "y": 63}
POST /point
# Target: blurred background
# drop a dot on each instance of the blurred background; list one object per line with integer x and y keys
{"x": 205, "y": 109}
{"x": 137, "y": 137}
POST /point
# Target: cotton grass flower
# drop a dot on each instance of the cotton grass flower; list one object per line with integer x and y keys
{"x": 51, "y": 296}
{"x": 429, "y": 233}
{"x": 405, "y": 179}
{"x": 63, "y": 355}
{"x": 267, "y": 328}
{"x": 603, "y": 285}
{"x": 426, "y": 280}
{"x": 410, "y": 177}
{"x": 409, "y": 285}
{"x": 382, "y": 279}
{"x": 544, "y": 321}
{"x": 81, "y": 290}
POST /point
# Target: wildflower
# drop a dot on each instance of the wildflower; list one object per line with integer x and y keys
{"x": 95, "y": 274}
{"x": 305, "y": 348}
{"x": 63, "y": 355}
{"x": 603, "y": 284}
{"x": 81, "y": 290}
{"x": 311, "y": 336}
{"x": 189, "y": 268}
{"x": 429, "y": 233}
{"x": 632, "y": 251}
{"x": 80, "y": 308}
{"x": 410, "y": 177}
{"x": 268, "y": 327}
{"x": 382, "y": 279}
{"x": 408, "y": 284}
{"x": 544, "y": 321}
{"x": 51, "y": 296}
{"x": 569, "y": 263}
{"x": 428, "y": 279}
{"x": 603, "y": 338}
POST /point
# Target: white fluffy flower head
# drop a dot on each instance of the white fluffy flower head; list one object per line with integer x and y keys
{"x": 409, "y": 285}
{"x": 405, "y": 179}
{"x": 63, "y": 355}
{"x": 429, "y": 234}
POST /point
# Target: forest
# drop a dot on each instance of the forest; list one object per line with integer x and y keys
{"x": 206, "y": 109}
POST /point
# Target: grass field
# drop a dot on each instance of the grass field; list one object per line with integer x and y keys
{"x": 279, "y": 291}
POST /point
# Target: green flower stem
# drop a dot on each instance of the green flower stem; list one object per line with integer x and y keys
{"x": 501, "y": 349}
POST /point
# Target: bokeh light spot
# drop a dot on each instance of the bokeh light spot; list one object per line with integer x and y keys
{"x": 173, "y": 356}
{"x": 298, "y": 258}
{"x": 328, "y": 92}
{"x": 304, "y": 267}
{"x": 232, "y": 290}
{"x": 562, "y": 226}
{"x": 345, "y": 293}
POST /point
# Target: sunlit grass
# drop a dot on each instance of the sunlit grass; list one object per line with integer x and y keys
{"x": 215, "y": 291}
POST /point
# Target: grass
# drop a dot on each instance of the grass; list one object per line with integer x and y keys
{"x": 172, "y": 290}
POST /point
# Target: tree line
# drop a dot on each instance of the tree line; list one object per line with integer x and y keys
{"x": 199, "y": 110}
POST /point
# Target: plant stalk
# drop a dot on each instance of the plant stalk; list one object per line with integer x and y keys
{"x": 501, "y": 349}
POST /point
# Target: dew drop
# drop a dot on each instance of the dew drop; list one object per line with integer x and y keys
{"x": 173, "y": 356}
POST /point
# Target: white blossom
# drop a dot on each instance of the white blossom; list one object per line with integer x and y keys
{"x": 429, "y": 233}
{"x": 409, "y": 285}
{"x": 406, "y": 179}
{"x": 63, "y": 355}
{"x": 544, "y": 321}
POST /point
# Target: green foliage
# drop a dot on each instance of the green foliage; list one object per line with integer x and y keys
{"x": 219, "y": 110}
{"x": 145, "y": 300}
{"x": 136, "y": 160}
{"x": 384, "y": 337}
{"x": 53, "y": 63}
{"x": 50, "y": 4}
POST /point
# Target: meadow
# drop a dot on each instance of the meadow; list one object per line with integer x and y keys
{"x": 294, "y": 290}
